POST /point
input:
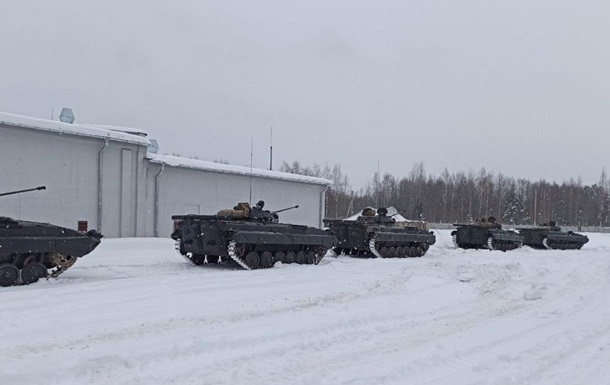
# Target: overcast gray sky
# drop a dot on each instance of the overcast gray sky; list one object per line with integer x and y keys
{"x": 520, "y": 87}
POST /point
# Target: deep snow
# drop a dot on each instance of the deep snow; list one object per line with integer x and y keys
{"x": 134, "y": 312}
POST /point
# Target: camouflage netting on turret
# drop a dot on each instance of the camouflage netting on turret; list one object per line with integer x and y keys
{"x": 241, "y": 211}
{"x": 487, "y": 222}
{"x": 393, "y": 212}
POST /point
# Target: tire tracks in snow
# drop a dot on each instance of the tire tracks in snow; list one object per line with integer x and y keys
{"x": 485, "y": 358}
{"x": 365, "y": 332}
{"x": 335, "y": 347}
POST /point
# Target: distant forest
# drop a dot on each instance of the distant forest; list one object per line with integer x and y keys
{"x": 463, "y": 196}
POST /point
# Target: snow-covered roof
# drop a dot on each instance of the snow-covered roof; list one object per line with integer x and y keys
{"x": 127, "y": 130}
{"x": 176, "y": 161}
{"x": 72, "y": 129}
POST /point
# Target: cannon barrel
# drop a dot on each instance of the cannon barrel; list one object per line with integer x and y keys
{"x": 286, "y": 209}
{"x": 23, "y": 191}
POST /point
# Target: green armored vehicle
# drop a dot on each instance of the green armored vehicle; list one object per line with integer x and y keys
{"x": 550, "y": 236}
{"x": 380, "y": 236}
{"x": 485, "y": 234}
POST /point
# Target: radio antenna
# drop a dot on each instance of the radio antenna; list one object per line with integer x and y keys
{"x": 377, "y": 186}
{"x": 251, "y": 158}
{"x": 271, "y": 150}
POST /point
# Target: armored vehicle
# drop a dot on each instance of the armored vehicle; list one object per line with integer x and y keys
{"x": 550, "y": 236}
{"x": 31, "y": 250}
{"x": 380, "y": 235}
{"x": 485, "y": 233}
{"x": 252, "y": 238}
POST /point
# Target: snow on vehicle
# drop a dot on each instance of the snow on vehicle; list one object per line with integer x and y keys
{"x": 381, "y": 235}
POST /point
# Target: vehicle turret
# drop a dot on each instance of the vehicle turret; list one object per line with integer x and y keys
{"x": 243, "y": 211}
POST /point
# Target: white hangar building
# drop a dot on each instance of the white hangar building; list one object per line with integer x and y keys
{"x": 108, "y": 177}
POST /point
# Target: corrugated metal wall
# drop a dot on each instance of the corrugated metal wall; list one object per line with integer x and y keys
{"x": 191, "y": 191}
{"x": 69, "y": 166}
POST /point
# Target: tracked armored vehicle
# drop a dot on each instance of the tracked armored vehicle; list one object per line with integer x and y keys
{"x": 380, "y": 236}
{"x": 30, "y": 251}
{"x": 485, "y": 234}
{"x": 550, "y": 236}
{"x": 252, "y": 238}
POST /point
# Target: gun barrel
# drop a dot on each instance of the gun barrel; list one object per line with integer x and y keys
{"x": 23, "y": 191}
{"x": 286, "y": 209}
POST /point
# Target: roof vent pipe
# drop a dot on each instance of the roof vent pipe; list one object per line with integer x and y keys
{"x": 66, "y": 115}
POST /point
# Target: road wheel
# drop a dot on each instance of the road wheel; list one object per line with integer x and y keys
{"x": 266, "y": 259}
{"x": 32, "y": 272}
{"x": 198, "y": 259}
{"x": 291, "y": 257}
{"x": 301, "y": 257}
{"x": 9, "y": 275}
{"x": 310, "y": 259}
{"x": 252, "y": 260}
{"x": 279, "y": 257}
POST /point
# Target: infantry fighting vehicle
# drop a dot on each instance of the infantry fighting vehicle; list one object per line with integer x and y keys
{"x": 380, "y": 235}
{"x": 250, "y": 237}
{"x": 550, "y": 236}
{"x": 31, "y": 250}
{"x": 485, "y": 234}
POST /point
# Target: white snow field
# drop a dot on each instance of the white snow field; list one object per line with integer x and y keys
{"x": 134, "y": 312}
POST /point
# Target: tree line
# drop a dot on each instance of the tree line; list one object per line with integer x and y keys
{"x": 453, "y": 197}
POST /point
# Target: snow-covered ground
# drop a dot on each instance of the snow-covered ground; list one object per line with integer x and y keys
{"x": 134, "y": 312}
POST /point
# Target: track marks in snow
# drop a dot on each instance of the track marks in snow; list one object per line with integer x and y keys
{"x": 449, "y": 317}
{"x": 359, "y": 337}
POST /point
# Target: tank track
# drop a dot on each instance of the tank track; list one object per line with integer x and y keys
{"x": 185, "y": 256}
{"x": 231, "y": 251}
{"x": 316, "y": 258}
{"x": 561, "y": 245}
{"x": 545, "y": 243}
{"x": 397, "y": 252}
{"x": 373, "y": 249}
{"x": 454, "y": 240}
{"x": 319, "y": 257}
{"x": 493, "y": 244}
{"x": 196, "y": 260}
{"x": 234, "y": 255}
